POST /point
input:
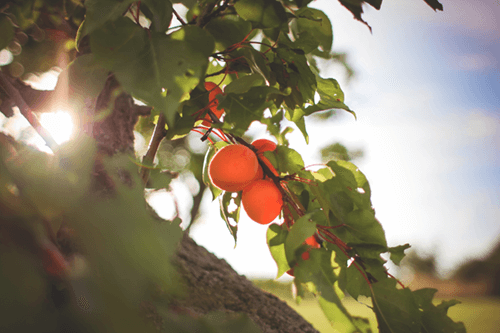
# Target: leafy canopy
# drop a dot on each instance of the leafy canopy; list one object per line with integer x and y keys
{"x": 263, "y": 53}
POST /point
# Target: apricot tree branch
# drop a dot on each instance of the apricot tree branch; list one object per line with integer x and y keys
{"x": 159, "y": 134}
{"x": 26, "y": 111}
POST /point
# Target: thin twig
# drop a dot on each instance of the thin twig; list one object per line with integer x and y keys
{"x": 159, "y": 133}
{"x": 179, "y": 18}
{"x": 26, "y": 112}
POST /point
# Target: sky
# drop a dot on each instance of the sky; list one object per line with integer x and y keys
{"x": 427, "y": 98}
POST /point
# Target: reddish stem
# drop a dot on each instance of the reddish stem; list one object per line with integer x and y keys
{"x": 392, "y": 276}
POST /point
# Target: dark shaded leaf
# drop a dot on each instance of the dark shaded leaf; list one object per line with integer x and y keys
{"x": 262, "y": 13}
{"x": 355, "y": 7}
{"x": 434, "y": 4}
{"x": 6, "y": 31}
{"x": 228, "y": 30}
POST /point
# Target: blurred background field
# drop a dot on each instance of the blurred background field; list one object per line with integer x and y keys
{"x": 479, "y": 314}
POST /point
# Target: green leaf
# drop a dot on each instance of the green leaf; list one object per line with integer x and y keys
{"x": 289, "y": 160}
{"x": 362, "y": 228}
{"x": 353, "y": 182}
{"x": 352, "y": 281}
{"x": 276, "y": 237}
{"x": 317, "y": 275}
{"x": 298, "y": 71}
{"x": 355, "y": 7}
{"x": 161, "y": 14}
{"x": 316, "y": 25}
{"x": 243, "y": 109}
{"x": 161, "y": 70}
{"x": 297, "y": 116}
{"x": 6, "y": 31}
{"x": 228, "y": 30}
{"x": 225, "y": 201}
{"x": 341, "y": 321}
{"x": 99, "y": 12}
{"x": 262, "y": 13}
{"x": 183, "y": 126}
{"x": 244, "y": 83}
{"x": 435, "y": 318}
{"x": 302, "y": 229}
{"x": 398, "y": 253}
{"x": 396, "y": 309}
{"x": 258, "y": 63}
{"x": 331, "y": 97}
{"x": 434, "y": 4}
{"x": 159, "y": 179}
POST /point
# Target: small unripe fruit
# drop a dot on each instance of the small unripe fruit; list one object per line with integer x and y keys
{"x": 262, "y": 201}
{"x": 233, "y": 167}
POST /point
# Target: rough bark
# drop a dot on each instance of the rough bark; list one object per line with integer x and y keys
{"x": 214, "y": 285}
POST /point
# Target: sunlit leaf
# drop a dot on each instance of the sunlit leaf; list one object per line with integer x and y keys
{"x": 289, "y": 160}
{"x": 276, "y": 237}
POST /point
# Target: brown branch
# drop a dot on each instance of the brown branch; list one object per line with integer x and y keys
{"x": 195, "y": 210}
{"x": 158, "y": 135}
{"x": 26, "y": 111}
{"x": 205, "y": 16}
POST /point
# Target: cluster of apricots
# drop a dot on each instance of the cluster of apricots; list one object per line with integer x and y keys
{"x": 236, "y": 168}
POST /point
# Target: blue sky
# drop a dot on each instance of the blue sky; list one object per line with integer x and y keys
{"x": 427, "y": 98}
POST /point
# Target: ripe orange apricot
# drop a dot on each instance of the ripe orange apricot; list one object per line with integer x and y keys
{"x": 262, "y": 201}
{"x": 233, "y": 167}
{"x": 214, "y": 90}
{"x": 263, "y": 145}
{"x": 259, "y": 175}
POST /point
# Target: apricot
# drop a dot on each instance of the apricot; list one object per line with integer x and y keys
{"x": 262, "y": 201}
{"x": 233, "y": 167}
{"x": 311, "y": 241}
{"x": 263, "y": 145}
{"x": 214, "y": 90}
